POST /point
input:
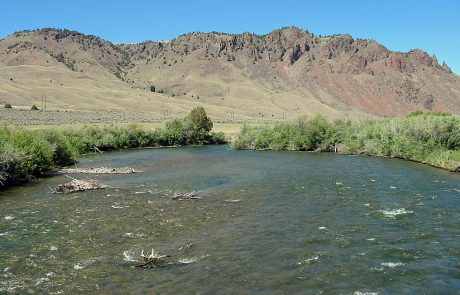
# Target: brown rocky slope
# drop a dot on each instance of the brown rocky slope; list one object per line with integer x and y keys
{"x": 283, "y": 74}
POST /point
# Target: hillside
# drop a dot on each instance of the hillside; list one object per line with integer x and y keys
{"x": 284, "y": 74}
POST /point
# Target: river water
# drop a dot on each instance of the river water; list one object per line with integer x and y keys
{"x": 267, "y": 222}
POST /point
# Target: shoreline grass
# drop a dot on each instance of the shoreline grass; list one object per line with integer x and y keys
{"x": 430, "y": 138}
{"x": 25, "y": 154}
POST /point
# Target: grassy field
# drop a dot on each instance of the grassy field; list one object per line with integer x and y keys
{"x": 226, "y": 128}
{"x": 46, "y": 119}
{"x": 37, "y": 120}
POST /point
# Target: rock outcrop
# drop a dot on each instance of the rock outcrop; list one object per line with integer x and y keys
{"x": 289, "y": 70}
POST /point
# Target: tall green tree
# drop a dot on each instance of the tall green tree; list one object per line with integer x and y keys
{"x": 199, "y": 120}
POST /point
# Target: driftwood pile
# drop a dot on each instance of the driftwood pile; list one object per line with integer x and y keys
{"x": 100, "y": 170}
{"x": 77, "y": 185}
{"x": 187, "y": 196}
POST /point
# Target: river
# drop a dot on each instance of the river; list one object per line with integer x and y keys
{"x": 267, "y": 222}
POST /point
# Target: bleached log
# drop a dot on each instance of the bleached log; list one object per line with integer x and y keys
{"x": 187, "y": 196}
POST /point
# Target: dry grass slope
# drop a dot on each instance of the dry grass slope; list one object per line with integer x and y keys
{"x": 282, "y": 75}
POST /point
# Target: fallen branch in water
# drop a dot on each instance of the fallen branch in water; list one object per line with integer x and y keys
{"x": 187, "y": 196}
{"x": 3, "y": 177}
{"x": 151, "y": 260}
{"x": 96, "y": 149}
{"x": 154, "y": 259}
{"x": 186, "y": 247}
{"x": 100, "y": 170}
{"x": 77, "y": 185}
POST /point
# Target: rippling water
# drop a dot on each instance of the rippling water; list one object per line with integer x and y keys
{"x": 268, "y": 222}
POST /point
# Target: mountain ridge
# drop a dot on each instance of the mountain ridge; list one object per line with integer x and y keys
{"x": 287, "y": 71}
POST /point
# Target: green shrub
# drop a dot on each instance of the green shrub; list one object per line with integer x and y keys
{"x": 8, "y": 106}
{"x": 415, "y": 137}
{"x": 426, "y": 137}
{"x": 25, "y": 153}
{"x": 303, "y": 134}
{"x": 174, "y": 133}
{"x": 63, "y": 152}
{"x": 218, "y": 138}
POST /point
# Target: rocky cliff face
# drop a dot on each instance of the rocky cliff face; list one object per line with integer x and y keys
{"x": 286, "y": 71}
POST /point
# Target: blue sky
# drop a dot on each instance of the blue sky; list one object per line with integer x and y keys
{"x": 433, "y": 26}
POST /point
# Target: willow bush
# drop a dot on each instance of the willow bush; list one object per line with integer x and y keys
{"x": 303, "y": 135}
{"x": 433, "y": 138}
{"x": 26, "y": 153}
